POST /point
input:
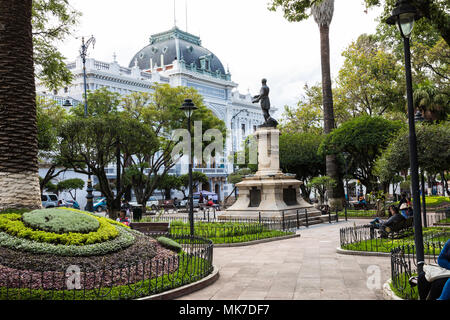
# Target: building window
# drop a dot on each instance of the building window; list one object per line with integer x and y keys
{"x": 254, "y": 128}
{"x": 243, "y": 129}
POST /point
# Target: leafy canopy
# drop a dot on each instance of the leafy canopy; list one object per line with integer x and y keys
{"x": 52, "y": 21}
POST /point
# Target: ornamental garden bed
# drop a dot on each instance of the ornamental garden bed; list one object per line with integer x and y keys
{"x": 229, "y": 232}
{"x": 66, "y": 254}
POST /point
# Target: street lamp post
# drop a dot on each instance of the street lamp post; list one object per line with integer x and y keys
{"x": 404, "y": 15}
{"x": 83, "y": 53}
{"x": 188, "y": 107}
{"x": 232, "y": 143}
{"x": 347, "y": 199}
{"x": 418, "y": 119}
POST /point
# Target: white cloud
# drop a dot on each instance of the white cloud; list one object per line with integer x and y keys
{"x": 253, "y": 41}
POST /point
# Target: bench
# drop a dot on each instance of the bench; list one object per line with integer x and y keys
{"x": 397, "y": 230}
{"x": 150, "y": 227}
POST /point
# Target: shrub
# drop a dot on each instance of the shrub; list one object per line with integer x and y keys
{"x": 13, "y": 225}
{"x": 122, "y": 241}
{"x": 169, "y": 244}
{"x": 60, "y": 221}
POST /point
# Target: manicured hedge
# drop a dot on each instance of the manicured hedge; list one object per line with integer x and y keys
{"x": 60, "y": 221}
{"x": 13, "y": 225}
{"x": 169, "y": 244}
{"x": 124, "y": 240}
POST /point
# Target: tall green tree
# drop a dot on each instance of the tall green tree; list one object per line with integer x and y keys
{"x": 433, "y": 147}
{"x": 71, "y": 186}
{"x": 53, "y": 21}
{"x": 322, "y": 11}
{"x": 19, "y": 179}
{"x": 435, "y": 13}
{"x": 371, "y": 81}
{"x": 299, "y": 155}
{"x": 50, "y": 117}
{"x": 160, "y": 111}
{"x": 363, "y": 138}
{"x": 197, "y": 179}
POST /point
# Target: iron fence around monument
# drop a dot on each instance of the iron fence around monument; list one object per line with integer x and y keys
{"x": 138, "y": 279}
{"x": 404, "y": 266}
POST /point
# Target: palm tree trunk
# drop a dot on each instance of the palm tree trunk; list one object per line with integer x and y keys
{"x": 19, "y": 180}
{"x": 335, "y": 194}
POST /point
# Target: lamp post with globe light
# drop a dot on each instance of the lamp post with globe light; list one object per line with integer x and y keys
{"x": 188, "y": 107}
{"x": 83, "y": 53}
{"x": 403, "y": 16}
{"x": 418, "y": 118}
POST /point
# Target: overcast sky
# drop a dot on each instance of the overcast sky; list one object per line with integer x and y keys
{"x": 248, "y": 38}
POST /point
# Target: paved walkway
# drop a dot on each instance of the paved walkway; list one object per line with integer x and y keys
{"x": 305, "y": 268}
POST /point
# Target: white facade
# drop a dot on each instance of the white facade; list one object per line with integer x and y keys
{"x": 219, "y": 93}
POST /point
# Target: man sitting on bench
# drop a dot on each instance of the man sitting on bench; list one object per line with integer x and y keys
{"x": 393, "y": 220}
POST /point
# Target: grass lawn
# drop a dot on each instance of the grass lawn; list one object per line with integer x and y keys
{"x": 386, "y": 245}
{"x": 227, "y": 232}
{"x": 406, "y": 292}
{"x": 358, "y": 213}
{"x": 445, "y": 221}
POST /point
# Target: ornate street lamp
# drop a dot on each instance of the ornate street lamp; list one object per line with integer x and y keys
{"x": 347, "y": 200}
{"x": 189, "y": 107}
{"x": 404, "y": 15}
{"x": 83, "y": 53}
{"x": 418, "y": 119}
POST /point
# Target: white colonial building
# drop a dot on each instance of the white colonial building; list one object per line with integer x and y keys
{"x": 177, "y": 58}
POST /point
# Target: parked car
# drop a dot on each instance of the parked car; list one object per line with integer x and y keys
{"x": 73, "y": 204}
{"x": 49, "y": 200}
{"x": 153, "y": 203}
{"x": 185, "y": 202}
{"x": 100, "y": 205}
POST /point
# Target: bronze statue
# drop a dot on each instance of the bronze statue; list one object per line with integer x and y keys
{"x": 263, "y": 97}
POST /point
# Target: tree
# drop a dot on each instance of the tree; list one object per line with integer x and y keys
{"x": 159, "y": 111}
{"x": 370, "y": 81}
{"x": 435, "y": 12}
{"x": 52, "y": 21}
{"x": 321, "y": 184}
{"x": 236, "y": 177}
{"x": 322, "y": 11}
{"x": 434, "y": 104}
{"x": 197, "y": 178}
{"x": 169, "y": 182}
{"x": 19, "y": 179}
{"x": 299, "y": 155}
{"x": 433, "y": 146}
{"x": 363, "y": 138}
{"x": 50, "y": 117}
{"x": 71, "y": 185}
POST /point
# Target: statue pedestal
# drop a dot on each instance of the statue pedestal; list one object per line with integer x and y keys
{"x": 269, "y": 192}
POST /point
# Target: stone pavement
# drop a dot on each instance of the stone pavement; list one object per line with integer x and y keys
{"x": 304, "y": 268}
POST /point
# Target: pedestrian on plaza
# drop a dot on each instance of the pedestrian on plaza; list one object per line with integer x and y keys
{"x": 402, "y": 199}
{"x": 123, "y": 217}
{"x": 127, "y": 207}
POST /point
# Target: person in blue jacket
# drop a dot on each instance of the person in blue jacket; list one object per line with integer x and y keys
{"x": 444, "y": 262}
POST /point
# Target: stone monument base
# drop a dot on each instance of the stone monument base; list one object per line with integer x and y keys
{"x": 269, "y": 196}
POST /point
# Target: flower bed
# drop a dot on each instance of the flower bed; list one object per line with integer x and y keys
{"x": 41, "y": 252}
